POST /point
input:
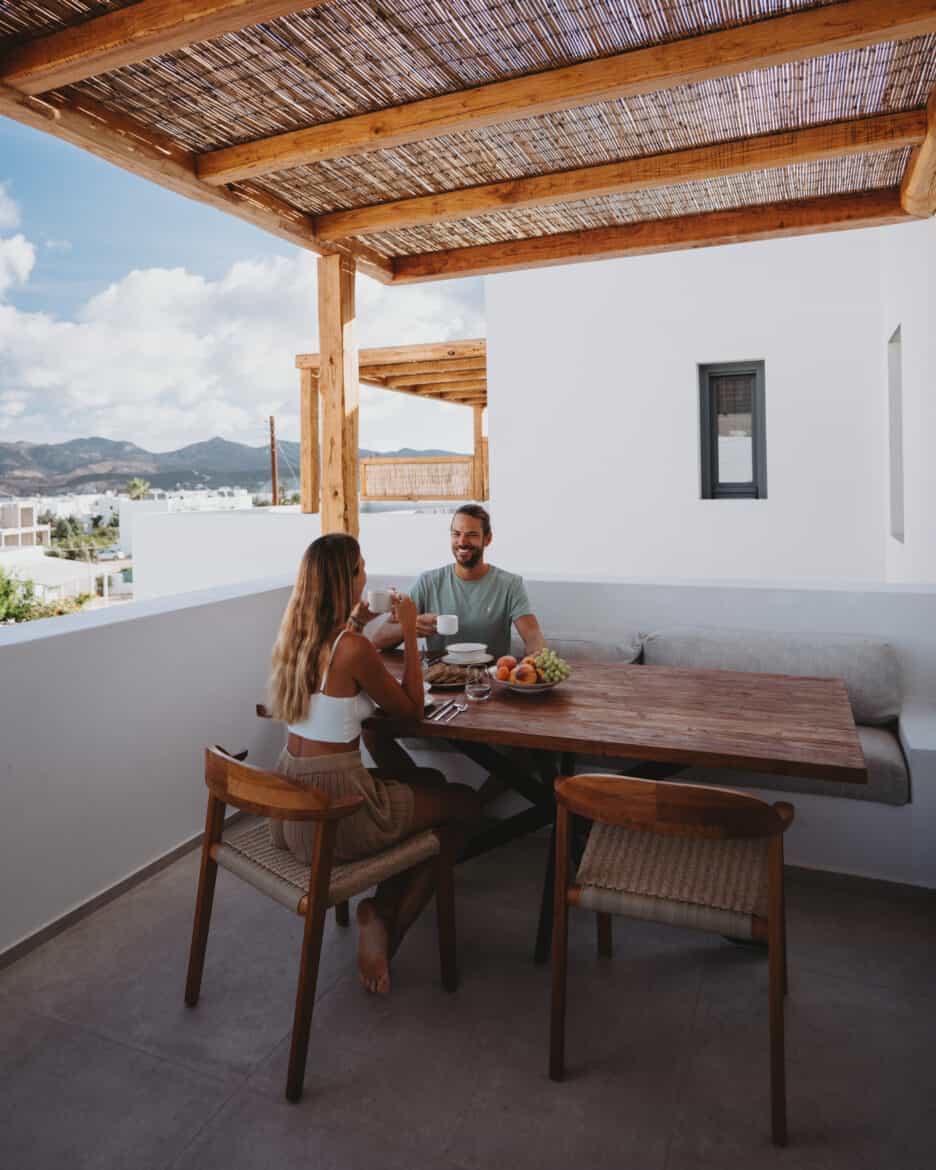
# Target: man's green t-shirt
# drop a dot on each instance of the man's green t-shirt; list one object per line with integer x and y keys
{"x": 486, "y": 608}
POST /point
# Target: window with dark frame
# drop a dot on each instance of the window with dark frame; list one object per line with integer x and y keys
{"x": 733, "y": 431}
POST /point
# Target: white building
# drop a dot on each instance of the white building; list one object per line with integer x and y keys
{"x": 83, "y": 506}
{"x": 20, "y": 527}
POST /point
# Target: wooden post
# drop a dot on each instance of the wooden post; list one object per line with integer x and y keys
{"x": 477, "y": 468}
{"x": 486, "y": 466}
{"x": 274, "y": 476}
{"x": 338, "y": 385}
{"x": 309, "y": 440}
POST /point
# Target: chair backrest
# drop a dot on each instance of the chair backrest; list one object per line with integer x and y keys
{"x": 683, "y": 810}
{"x": 267, "y": 793}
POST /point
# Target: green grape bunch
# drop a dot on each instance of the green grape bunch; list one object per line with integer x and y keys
{"x": 551, "y": 666}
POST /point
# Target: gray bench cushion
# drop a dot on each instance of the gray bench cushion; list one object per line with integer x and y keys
{"x": 597, "y": 648}
{"x": 888, "y": 778}
{"x": 869, "y": 668}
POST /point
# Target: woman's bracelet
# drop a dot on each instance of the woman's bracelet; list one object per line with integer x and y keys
{"x": 355, "y": 625}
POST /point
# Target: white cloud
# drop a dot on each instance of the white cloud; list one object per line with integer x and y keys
{"x": 58, "y": 245}
{"x": 17, "y": 257}
{"x": 165, "y": 357}
{"x": 9, "y": 212}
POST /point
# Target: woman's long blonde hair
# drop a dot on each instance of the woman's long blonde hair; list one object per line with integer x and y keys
{"x": 322, "y": 599}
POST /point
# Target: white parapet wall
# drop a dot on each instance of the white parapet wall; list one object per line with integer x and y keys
{"x": 180, "y": 552}
{"x": 105, "y": 716}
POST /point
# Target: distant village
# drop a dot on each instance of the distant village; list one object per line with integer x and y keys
{"x": 63, "y": 553}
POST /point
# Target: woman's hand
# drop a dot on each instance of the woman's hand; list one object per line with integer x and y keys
{"x": 406, "y": 614}
{"x": 360, "y": 616}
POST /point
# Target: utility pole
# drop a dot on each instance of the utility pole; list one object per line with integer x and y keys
{"x": 273, "y": 467}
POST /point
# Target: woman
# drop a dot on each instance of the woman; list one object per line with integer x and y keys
{"x": 327, "y": 679}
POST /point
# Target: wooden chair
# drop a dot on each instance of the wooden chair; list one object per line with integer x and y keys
{"x": 342, "y": 909}
{"x": 246, "y": 850}
{"x": 708, "y": 858}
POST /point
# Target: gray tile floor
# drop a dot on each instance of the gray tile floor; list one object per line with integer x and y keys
{"x": 102, "y": 1066}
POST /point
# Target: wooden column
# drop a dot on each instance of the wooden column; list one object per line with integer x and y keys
{"x": 486, "y": 468}
{"x": 309, "y": 440}
{"x": 338, "y": 385}
{"x": 477, "y": 468}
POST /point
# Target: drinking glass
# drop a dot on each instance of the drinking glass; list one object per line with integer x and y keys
{"x": 477, "y": 684}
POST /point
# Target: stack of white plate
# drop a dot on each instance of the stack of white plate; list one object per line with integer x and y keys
{"x": 467, "y": 654}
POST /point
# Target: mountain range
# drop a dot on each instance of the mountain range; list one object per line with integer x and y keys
{"x": 97, "y": 465}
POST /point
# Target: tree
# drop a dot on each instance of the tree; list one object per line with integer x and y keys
{"x": 17, "y": 598}
{"x": 137, "y": 488}
{"x": 18, "y": 601}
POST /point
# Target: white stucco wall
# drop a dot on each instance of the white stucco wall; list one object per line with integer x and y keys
{"x": 908, "y": 300}
{"x": 594, "y": 415}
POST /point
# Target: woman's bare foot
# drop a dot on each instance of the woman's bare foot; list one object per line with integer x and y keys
{"x": 373, "y": 964}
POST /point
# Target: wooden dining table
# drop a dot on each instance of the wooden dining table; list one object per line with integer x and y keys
{"x": 658, "y": 718}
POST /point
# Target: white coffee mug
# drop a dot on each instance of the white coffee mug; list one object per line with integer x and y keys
{"x": 447, "y": 624}
{"x": 379, "y": 601}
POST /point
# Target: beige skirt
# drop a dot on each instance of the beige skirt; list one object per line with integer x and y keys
{"x": 385, "y": 817}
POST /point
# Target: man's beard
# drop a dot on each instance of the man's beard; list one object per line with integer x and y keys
{"x": 471, "y": 560}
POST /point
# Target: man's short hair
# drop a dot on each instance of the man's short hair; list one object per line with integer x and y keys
{"x": 477, "y": 513}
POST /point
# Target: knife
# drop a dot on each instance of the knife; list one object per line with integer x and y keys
{"x": 437, "y": 715}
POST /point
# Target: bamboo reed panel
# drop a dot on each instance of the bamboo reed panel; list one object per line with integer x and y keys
{"x": 864, "y": 172}
{"x": 437, "y": 478}
{"x": 348, "y": 57}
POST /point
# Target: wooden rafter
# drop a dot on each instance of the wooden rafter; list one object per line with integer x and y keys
{"x": 390, "y": 355}
{"x": 453, "y": 372}
{"x": 769, "y": 221}
{"x": 133, "y": 147}
{"x": 131, "y": 34}
{"x": 835, "y": 139}
{"x": 815, "y": 32}
{"x": 918, "y": 189}
{"x": 438, "y": 378}
{"x": 456, "y": 365}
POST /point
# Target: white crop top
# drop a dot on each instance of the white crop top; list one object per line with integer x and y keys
{"x": 332, "y": 719}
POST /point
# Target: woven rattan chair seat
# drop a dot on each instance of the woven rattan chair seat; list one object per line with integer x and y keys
{"x": 248, "y": 852}
{"x": 707, "y": 884}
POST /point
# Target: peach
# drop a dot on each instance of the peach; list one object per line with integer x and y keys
{"x": 503, "y": 674}
{"x": 524, "y": 673}
{"x": 507, "y": 661}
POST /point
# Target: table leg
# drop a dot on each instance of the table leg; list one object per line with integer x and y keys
{"x": 544, "y": 926}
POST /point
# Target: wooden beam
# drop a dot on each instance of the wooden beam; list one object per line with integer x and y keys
{"x": 133, "y": 147}
{"x": 918, "y": 189}
{"x": 432, "y": 390}
{"x": 309, "y": 486}
{"x": 338, "y": 385}
{"x": 833, "y": 140}
{"x": 433, "y": 378}
{"x": 131, "y": 34}
{"x": 387, "y": 355}
{"x": 766, "y": 221}
{"x": 815, "y": 32}
{"x": 456, "y": 365}
{"x": 477, "y": 469}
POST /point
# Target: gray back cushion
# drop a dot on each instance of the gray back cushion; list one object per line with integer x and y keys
{"x": 599, "y": 648}
{"x": 869, "y": 669}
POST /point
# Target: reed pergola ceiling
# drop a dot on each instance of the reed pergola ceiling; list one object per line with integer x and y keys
{"x": 453, "y": 371}
{"x": 474, "y": 136}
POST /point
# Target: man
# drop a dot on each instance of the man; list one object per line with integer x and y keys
{"x": 486, "y": 599}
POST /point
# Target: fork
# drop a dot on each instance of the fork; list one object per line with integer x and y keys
{"x": 457, "y": 709}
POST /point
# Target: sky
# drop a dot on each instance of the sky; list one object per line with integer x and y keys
{"x": 133, "y": 313}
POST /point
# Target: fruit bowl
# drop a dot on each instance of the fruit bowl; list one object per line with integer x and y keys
{"x": 522, "y": 688}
